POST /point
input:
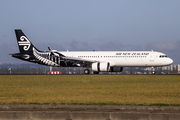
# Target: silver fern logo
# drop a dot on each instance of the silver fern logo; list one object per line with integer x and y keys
{"x": 46, "y": 60}
{"x": 24, "y": 42}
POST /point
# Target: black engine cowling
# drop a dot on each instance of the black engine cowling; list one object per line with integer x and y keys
{"x": 116, "y": 69}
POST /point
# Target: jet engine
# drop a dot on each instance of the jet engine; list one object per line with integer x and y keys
{"x": 101, "y": 67}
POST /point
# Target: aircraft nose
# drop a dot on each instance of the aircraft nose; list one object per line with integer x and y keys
{"x": 170, "y": 61}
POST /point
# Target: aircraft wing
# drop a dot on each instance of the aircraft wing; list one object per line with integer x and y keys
{"x": 73, "y": 60}
{"x": 80, "y": 61}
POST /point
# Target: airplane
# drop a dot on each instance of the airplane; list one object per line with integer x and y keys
{"x": 99, "y": 61}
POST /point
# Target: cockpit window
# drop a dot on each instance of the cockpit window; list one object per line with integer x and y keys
{"x": 163, "y": 56}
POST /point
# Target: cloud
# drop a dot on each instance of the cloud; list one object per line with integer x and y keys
{"x": 111, "y": 45}
{"x": 170, "y": 49}
{"x": 77, "y": 45}
{"x": 5, "y": 49}
{"x": 162, "y": 46}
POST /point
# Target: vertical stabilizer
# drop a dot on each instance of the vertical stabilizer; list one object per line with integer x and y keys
{"x": 25, "y": 45}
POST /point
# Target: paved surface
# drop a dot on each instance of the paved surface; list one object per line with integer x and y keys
{"x": 97, "y": 108}
{"x": 88, "y": 112}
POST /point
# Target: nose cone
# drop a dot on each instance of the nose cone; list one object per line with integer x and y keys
{"x": 170, "y": 61}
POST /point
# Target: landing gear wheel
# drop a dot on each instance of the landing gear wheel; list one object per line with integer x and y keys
{"x": 153, "y": 70}
{"x": 86, "y": 71}
{"x": 96, "y": 72}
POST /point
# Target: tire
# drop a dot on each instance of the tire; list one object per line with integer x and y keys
{"x": 153, "y": 72}
{"x": 86, "y": 71}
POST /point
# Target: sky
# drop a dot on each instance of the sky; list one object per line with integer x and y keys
{"x": 117, "y": 25}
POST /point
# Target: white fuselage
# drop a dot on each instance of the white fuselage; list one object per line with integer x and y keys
{"x": 123, "y": 58}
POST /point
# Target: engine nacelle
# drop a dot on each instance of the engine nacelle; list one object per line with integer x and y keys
{"x": 116, "y": 69}
{"x": 101, "y": 67}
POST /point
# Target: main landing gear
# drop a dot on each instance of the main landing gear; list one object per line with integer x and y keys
{"x": 87, "y": 71}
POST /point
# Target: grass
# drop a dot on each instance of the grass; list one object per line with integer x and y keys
{"x": 161, "y": 90}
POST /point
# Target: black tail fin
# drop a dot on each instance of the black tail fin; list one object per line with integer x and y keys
{"x": 25, "y": 45}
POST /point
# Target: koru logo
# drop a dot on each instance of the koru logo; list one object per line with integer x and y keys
{"x": 26, "y": 56}
{"x": 24, "y": 42}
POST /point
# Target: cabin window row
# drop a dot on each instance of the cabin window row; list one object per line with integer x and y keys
{"x": 111, "y": 56}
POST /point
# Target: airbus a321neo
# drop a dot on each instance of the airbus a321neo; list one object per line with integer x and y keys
{"x": 99, "y": 61}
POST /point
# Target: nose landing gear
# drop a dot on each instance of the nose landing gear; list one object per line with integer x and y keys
{"x": 153, "y": 70}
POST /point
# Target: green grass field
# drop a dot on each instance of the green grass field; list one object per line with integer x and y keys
{"x": 158, "y": 90}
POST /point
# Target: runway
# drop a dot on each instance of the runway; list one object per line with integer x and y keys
{"x": 88, "y": 112}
